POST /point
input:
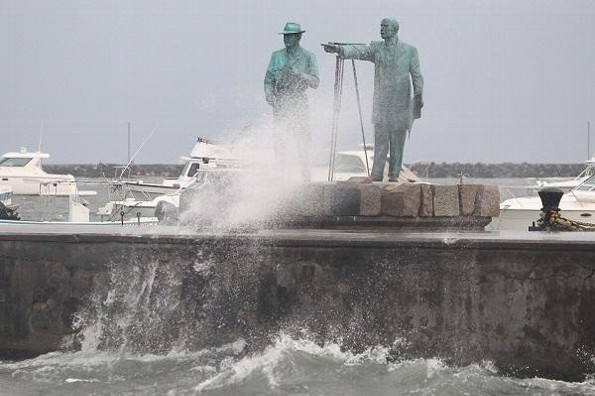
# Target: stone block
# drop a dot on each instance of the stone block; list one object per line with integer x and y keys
{"x": 345, "y": 200}
{"x": 488, "y": 202}
{"x": 426, "y": 208}
{"x": 468, "y": 198}
{"x": 370, "y": 200}
{"x": 402, "y": 201}
{"x": 314, "y": 199}
{"x": 446, "y": 200}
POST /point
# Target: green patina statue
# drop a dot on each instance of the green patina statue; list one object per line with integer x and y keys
{"x": 291, "y": 72}
{"x": 396, "y": 70}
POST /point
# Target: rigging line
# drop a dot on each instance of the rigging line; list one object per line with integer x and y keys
{"x": 335, "y": 96}
{"x": 361, "y": 121}
{"x": 138, "y": 151}
{"x": 340, "y": 100}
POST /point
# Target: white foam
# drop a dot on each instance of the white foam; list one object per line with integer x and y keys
{"x": 231, "y": 372}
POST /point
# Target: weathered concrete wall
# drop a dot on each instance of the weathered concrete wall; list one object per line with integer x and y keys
{"x": 527, "y": 305}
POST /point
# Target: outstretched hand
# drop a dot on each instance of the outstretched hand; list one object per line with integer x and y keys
{"x": 331, "y": 48}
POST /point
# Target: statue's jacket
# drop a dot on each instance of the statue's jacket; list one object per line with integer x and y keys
{"x": 289, "y": 90}
{"x": 396, "y": 72}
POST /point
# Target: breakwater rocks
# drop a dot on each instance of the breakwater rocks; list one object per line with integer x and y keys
{"x": 524, "y": 304}
{"x": 490, "y": 171}
{"x": 423, "y": 169}
{"x": 113, "y": 170}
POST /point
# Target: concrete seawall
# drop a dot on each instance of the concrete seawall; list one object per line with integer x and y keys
{"x": 523, "y": 301}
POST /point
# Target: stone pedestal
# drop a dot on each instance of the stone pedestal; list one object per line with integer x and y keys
{"x": 403, "y": 205}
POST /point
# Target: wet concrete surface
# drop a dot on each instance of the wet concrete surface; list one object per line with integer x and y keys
{"x": 356, "y": 236}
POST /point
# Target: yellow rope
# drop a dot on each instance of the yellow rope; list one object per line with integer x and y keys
{"x": 552, "y": 221}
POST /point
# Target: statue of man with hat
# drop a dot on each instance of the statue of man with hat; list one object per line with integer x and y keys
{"x": 292, "y": 70}
{"x": 395, "y": 105}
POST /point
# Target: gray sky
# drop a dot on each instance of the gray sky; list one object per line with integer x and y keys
{"x": 505, "y": 81}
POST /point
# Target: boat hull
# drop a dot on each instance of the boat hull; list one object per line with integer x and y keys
{"x": 522, "y": 219}
{"x": 152, "y": 190}
{"x": 146, "y": 221}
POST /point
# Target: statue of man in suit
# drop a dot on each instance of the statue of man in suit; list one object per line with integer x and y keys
{"x": 396, "y": 71}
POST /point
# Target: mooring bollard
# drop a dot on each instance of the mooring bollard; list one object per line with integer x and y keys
{"x": 550, "y": 201}
{"x": 550, "y": 198}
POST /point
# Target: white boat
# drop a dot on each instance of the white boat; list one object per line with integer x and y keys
{"x": 67, "y": 225}
{"x": 206, "y": 154}
{"x": 24, "y": 173}
{"x": 132, "y": 208}
{"x": 578, "y": 204}
{"x": 133, "y": 198}
{"x": 569, "y": 184}
{"x": 78, "y": 216}
{"x": 353, "y": 163}
{"x": 74, "y": 226}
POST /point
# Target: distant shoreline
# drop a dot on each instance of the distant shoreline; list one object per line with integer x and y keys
{"x": 426, "y": 170}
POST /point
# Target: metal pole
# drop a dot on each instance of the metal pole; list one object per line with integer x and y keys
{"x": 361, "y": 120}
{"x": 137, "y": 151}
{"x": 336, "y": 110}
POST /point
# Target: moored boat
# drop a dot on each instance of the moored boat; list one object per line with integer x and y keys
{"x": 578, "y": 204}
{"x": 568, "y": 184}
{"x": 23, "y": 171}
{"x": 206, "y": 154}
{"x": 132, "y": 198}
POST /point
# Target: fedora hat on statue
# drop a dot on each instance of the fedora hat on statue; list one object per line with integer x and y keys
{"x": 292, "y": 28}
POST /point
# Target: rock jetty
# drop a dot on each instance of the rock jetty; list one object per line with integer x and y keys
{"x": 423, "y": 169}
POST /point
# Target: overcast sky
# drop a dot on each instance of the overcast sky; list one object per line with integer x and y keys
{"x": 505, "y": 81}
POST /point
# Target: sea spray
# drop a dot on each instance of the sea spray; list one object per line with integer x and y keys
{"x": 233, "y": 288}
{"x": 249, "y": 196}
{"x": 191, "y": 301}
{"x": 136, "y": 310}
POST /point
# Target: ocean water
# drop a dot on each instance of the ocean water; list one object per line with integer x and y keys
{"x": 288, "y": 366}
{"x": 291, "y": 363}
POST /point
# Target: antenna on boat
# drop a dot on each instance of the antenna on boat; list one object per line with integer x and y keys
{"x": 138, "y": 151}
{"x": 128, "y": 142}
{"x": 588, "y": 140}
{"x": 40, "y": 136}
